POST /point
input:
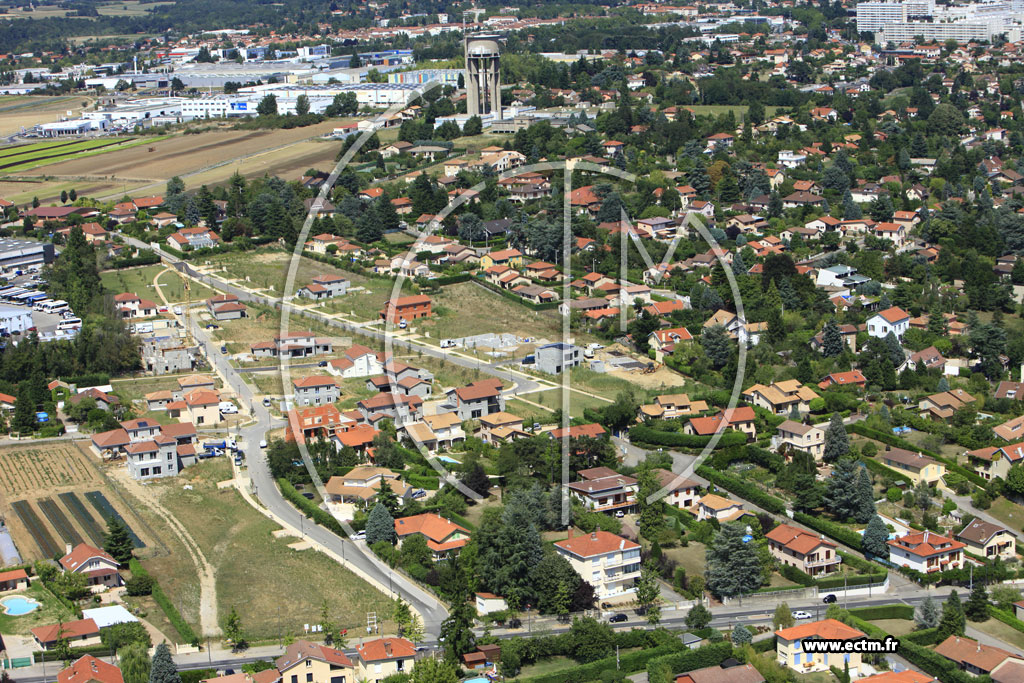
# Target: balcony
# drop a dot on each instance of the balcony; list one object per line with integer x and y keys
{"x": 822, "y": 562}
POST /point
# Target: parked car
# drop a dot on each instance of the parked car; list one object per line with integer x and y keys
{"x": 800, "y": 614}
{"x": 211, "y": 326}
{"x": 228, "y": 408}
{"x": 263, "y": 443}
{"x": 223, "y": 349}
{"x": 266, "y": 402}
{"x": 238, "y": 461}
{"x": 829, "y": 599}
{"x": 359, "y": 536}
{"x": 617, "y": 618}
{"x": 322, "y": 364}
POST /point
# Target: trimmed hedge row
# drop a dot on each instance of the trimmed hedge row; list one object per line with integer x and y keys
{"x": 687, "y": 518}
{"x": 145, "y": 258}
{"x": 930, "y": 662}
{"x": 753, "y": 454}
{"x": 160, "y": 598}
{"x": 928, "y": 636}
{"x": 851, "y": 581}
{"x": 834, "y": 531}
{"x": 308, "y": 508}
{"x": 583, "y": 673}
{"x": 742, "y": 489}
{"x": 883, "y": 612}
{"x": 647, "y": 435}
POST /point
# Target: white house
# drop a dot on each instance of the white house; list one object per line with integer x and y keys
{"x": 894, "y": 320}
{"x": 609, "y": 563}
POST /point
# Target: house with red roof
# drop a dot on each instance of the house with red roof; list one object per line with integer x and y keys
{"x": 383, "y": 657}
{"x": 80, "y": 633}
{"x": 927, "y": 552}
{"x": 13, "y": 580}
{"x": 89, "y": 669}
{"x": 405, "y": 309}
{"x": 810, "y": 553}
{"x": 444, "y": 537}
{"x": 316, "y": 390}
{"x": 853, "y": 378}
{"x": 790, "y": 653}
{"x": 741, "y": 419}
{"x": 98, "y": 566}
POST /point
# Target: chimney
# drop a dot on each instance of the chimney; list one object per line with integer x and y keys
{"x": 387, "y": 647}
{"x": 593, "y": 535}
{"x": 570, "y": 532}
{"x": 67, "y": 548}
{"x": 622, "y": 544}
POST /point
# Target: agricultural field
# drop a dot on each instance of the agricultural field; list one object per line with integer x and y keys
{"x": 209, "y": 157}
{"x": 551, "y": 399}
{"x": 130, "y": 8}
{"x": 143, "y": 281}
{"x": 53, "y": 495}
{"x": 227, "y": 528}
{"x": 26, "y": 157}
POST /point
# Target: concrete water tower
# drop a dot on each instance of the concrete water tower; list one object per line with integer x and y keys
{"x": 483, "y": 75}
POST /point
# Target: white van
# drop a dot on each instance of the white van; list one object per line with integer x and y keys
{"x": 227, "y": 408}
{"x": 69, "y": 324}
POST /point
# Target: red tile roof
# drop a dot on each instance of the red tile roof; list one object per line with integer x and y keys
{"x": 829, "y": 629}
{"x": 596, "y": 543}
{"x": 386, "y": 648}
{"x": 89, "y": 669}
{"x": 82, "y": 553}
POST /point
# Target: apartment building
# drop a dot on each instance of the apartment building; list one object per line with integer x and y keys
{"x": 316, "y": 390}
{"x": 609, "y": 563}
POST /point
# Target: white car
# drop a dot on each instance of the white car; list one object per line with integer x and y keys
{"x": 359, "y": 536}
{"x": 263, "y": 443}
{"x": 800, "y": 614}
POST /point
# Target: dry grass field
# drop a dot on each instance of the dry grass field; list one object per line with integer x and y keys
{"x": 209, "y": 157}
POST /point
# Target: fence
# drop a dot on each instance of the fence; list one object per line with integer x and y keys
{"x": 16, "y": 662}
{"x": 805, "y": 593}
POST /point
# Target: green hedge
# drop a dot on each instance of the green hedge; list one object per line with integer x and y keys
{"x": 932, "y": 663}
{"x": 743, "y": 489}
{"x": 928, "y": 636}
{"x": 423, "y": 481}
{"x": 884, "y": 612}
{"x": 753, "y": 454}
{"x": 647, "y": 435}
{"x": 196, "y": 675}
{"x": 452, "y": 279}
{"x": 145, "y": 258}
{"x": 831, "y": 529}
{"x": 309, "y": 508}
{"x": 687, "y": 518}
{"x": 796, "y": 576}
{"x": 851, "y": 581}
{"x": 94, "y": 650}
{"x": 160, "y": 598}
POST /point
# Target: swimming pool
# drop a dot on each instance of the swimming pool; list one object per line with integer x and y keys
{"x": 478, "y": 679}
{"x": 451, "y": 461}
{"x": 17, "y": 605}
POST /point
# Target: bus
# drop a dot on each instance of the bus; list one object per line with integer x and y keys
{"x": 10, "y": 295}
{"x": 69, "y": 324}
{"x": 53, "y": 306}
{"x": 36, "y": 298}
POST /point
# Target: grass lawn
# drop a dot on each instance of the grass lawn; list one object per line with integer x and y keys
{"x": 552, "y": 400}
{"x": 998, "y": 629}
{"x": 257, "y": 574}
{"x": 467, "y": 309}
{"x": 529, "y": 413}
{"x": 140, "y": 281}
{"x": 896, "y": 627}
{"x": 546, "y": 666}
{"x": 365, "y": 298}
{"x": 50, "y": 613}
{"x": 690, "y": 558}
{"x": 607, "y": 385}
{"x": 131, "y": 390}
{"x": 1007, "y": 512}
{"x": 739, "y": 110}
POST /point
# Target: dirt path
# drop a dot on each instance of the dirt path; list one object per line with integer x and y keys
{"x": 208, "y": 621}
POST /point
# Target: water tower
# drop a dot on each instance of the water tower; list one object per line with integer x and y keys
{"x": 483, "y": 75}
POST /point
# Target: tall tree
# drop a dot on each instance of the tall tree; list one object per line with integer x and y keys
{"x": 837, "y": 444}
{"x": 652, "y": 514}
{"x": 716, "y": 344}
{"x": 952, "y": 622}
{"x": 380, "y": 526}
{"x": 162, "y": 668}
{"x": 977, "y": 608}
{"x": 134, "y": 662}
{"x": 457, "y": 631}
{"x": 876, "y": 536}
{"x": 232, "y": 628}
{"x": 831, "y": 339}
{"x": 647, "y": 590}
{"x": 118, "y": 541}
{"x": 732, "y": 564}
{"x": 926, "y": 615}
{"x": 842, "y": 497}
{"x": 865, "y": 496}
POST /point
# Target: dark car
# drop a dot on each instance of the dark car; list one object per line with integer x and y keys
{"x": 322, "y": 364}
{"x": 617, "y": 618}
{"x": 829, "y": 599}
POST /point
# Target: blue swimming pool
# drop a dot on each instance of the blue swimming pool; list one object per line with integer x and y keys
{"x": 478, "y": 679}
{"x": 17, "y": 605}
{"x": 451, "y": 461}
